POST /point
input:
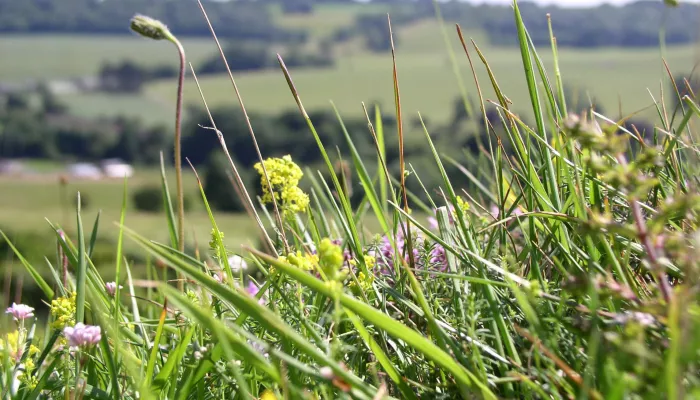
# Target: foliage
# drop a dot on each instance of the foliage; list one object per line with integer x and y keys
{"x": 128, "y": 76}
{"x": 150, "y": 199}
{"x": 569, "y": 270}
{"x": 245, "y": 20}
{"x": 218, "y": 184}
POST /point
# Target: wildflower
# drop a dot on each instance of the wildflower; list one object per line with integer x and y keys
{"x": 111, "y": 288}
{"x": 12, "y": 345}
{"x": 364, "y": 280}
{"x": 284, "y": 176}
{"x": 326, "y": 372}
{"x": 330, "y": 258}
{"x": 213, "y": 240}
{"x": 385, "y": 256}
{"x": 463, "y": 205}
{"x": 306, "y": 262}
{"x": 237, "y": 263}
{"x": 252, "y": 289}
{"x": 641, "y": 318}
{"x": 438, "y": 257}
{"x": 82, "y": 335}
{"x": 63, "y": 311}
{"x": 20, "y": 311}
{"x": 268, "y": 394}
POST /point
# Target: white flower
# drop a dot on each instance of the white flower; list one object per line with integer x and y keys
{"x": 237, "y": 263}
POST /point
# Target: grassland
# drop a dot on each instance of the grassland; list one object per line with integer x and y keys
{"x": 26, "y": 204}
{"x": 617, "y": 77}
{"x": 66, "y": 56}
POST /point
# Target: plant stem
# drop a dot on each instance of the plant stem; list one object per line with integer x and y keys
{"x": 178, "y": 149}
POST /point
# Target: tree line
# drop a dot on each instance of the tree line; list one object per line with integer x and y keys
{"x": 635, "y": 24}
{"x": 43, "y": 129}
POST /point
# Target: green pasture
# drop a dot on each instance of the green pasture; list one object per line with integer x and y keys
{"x": 621, "y": 79}
{"x": 67, "y": 56}
{"x": 27, "y": 203}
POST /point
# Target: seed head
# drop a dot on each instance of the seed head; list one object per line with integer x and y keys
{"x": 150, "y": 28}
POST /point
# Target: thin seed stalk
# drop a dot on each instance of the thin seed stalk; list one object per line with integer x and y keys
{"x": 178, "y": 149}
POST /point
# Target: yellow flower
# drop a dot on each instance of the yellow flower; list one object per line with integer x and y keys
{"x": 284, "y": 176}
{"x": 306, "y": 262}
{"x": 63, "y": 311}
{"x": 12, "y": 345}
{"x": 331, "y": 258}
{"x": 463, "y": 205}
{"x": 364, "y": 280}
{"x": 268, "y": 394}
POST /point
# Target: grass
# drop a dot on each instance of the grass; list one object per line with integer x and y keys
{"x": 27, "y": 202}
{"x": 574, "y": 278}
{"x": 326, "y": 18}
{"x": 70, "y": 56}
{"x": 615, "y": 76}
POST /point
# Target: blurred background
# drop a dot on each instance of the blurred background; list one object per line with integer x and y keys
{"x": 84, "y": 101}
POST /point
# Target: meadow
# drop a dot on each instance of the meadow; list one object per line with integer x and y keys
{"x": 27, "y": 203}
{"x": 569, "y": 271}
{"x": 623, "y": 80}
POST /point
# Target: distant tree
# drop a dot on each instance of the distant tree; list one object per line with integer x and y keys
{"x": 17, "y": 101}
{"x": 297, "y": 6}
{"x": 218, "y": 186}
{"x": 126, "y": 76}
{"x": 49, "y": 102}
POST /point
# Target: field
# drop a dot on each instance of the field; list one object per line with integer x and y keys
{"x": 27, "y": 203}
{"x": 428, "y": 83}
{"x": 620, "y": 79}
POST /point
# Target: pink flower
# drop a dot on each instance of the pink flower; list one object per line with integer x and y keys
{"x": 20, "y": 311}
{"x": 82, "y": 335}
{"x": 253, "y": 290}
{"x": 111, "y": 288}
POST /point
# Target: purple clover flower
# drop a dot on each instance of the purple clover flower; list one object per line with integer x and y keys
{"x": 252, "y": 289}
{"x": 82, "y": 335}
{"x": 20, "y": 311}
{"x": 111, "y": 288}
{"x": 438, "y": 258}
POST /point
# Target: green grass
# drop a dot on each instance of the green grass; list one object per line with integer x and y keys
{"x": 94, "y": 105}
{"x": 326, "y": 18}
{"x": 615, "y": 76}
{"x": 67, "y": 56}
{"x": 589, "y": 291}
{"x": 27, "y": 202}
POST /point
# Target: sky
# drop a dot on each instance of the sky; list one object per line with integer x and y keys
{"x": 569, "y": 3}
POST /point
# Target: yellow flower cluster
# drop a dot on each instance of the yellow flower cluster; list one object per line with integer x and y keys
{"x": 364, "y": 280}
{"x": 11, "y": 346}
{"x": 284, "y": 177}
{"x": 63, "y": 311}
{"x": 463, "y": 205}
{"x": 331, "y": 258}
{"x": 303, "y": 261}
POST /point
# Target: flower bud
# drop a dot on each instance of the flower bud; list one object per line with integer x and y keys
{"x": 149, "y": 27}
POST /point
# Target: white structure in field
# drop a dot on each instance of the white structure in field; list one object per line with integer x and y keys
{"x": 115, "y": 168}
{"x": 84, "y": 171}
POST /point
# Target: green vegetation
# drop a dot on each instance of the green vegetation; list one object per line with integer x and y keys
{"x": 69, "y": 56}
{"x": 615, "y": 76}
{"x": 561, "y": 260}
